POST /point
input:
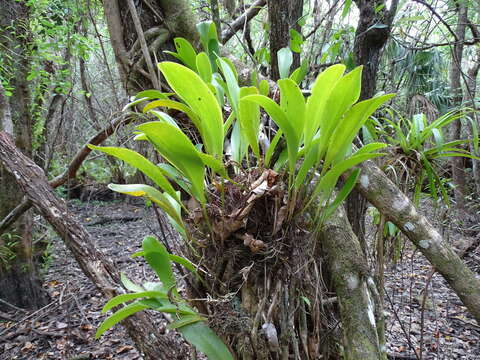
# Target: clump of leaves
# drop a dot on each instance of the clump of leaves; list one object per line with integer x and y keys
{"x": 316, "y": 134}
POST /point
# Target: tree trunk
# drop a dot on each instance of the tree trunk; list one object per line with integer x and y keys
{"x": 354, "y": 288}
{"x": 93, "y": 263}
{"x": 369, "y": 42}
{"x": 161, "y": 21}
{"x": 19, "y": 279}
{"x": 457, "y": 163}
{"x": 283, "y": 16}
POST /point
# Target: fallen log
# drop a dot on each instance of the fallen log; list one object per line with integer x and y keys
{"x": 92, "y": 261}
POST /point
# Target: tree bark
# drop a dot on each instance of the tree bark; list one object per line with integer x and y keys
{"x": 92, "y": 261}
{"x": 283, "y": 16}
{"x": 19, "y": 278}
{"x": 353, "y": 287}
{"x": 372, "y": 33}
{"x": 375, "y": 186}
{"x": 457, "y": 163}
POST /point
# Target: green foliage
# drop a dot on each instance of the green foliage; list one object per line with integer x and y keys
{"x": 317, "y": 133}
{"x": 8, "y": 243}
{"x": 164, "y": 297}
{"x": 422, "y": 146}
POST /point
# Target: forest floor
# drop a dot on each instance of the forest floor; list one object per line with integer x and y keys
{"x": 65, "y": 328}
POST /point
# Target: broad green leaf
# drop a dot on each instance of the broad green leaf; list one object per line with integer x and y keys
{"x": 204, "y": 67}
{"x": 249, "y": 118}
{"x": 296, "y": 41}
{"x": 164, "y": 117}
{"x": 321, "y": 90}
{"x": 299, "y": 73}
{"x": 118, "y": 316}
{"x": 346, "y": 8}
{"x": 141, "y": 163}
{"x": 197, "y": 95}
{"x": 158, "y": 259}
{"x": 205, "y": 340}
{"x": 187, "y": 52}
{"x": 177, "y": 149}
{"x": 345, "y": 93}
{"x": 174, "y": 105}
{"x": 120, "y": 299}
{"x": 285, "y": 60}
{"x": 342, "y": 195}
{"x": 346, "y": 131}
{"x": 292, "y": 103}
{"x": 233, "y": 90}
{"x": 263, "y": 87}
{"x": 280, "y": 118}
{"x": 152, "y": 94}
{"x": 152, "y": 194}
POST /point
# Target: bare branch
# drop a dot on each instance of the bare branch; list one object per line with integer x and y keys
{"x": 239, "y": 22}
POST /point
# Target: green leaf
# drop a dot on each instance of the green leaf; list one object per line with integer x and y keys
{"x": 271, "y": 148}
{"x": 174, "y": 105}
{"x": 129, "y": 284}
{"x": 177, "y": 149}
{"x": 158, "y": 259}
{"x": 316, "y": 103}
{"x": 296, "y": 41}
{"x": 285, "y": 60}
{"x": 342, "y": 195}
{"x": 205, "y": 340}
{"x": 187, "y": 52}
{"x": 141, "y": 163}
{"x": 249, "y": 118}
{"x": 198, "y": 96}
{"x": 346, "y": 8}
{"x": 152, "y": 94}
{"x": 184, "y": 262}
{"x": 204, "y": 67}
{"x": 233, "y": 90}
{"x": 120, "y": 299}
{"x": 185, "y": 320}
{"x": 292, "y": 103}
{"x": 118, "y": 316}
{"x": 280, "y": 118}
{"x": 152, "y": 194}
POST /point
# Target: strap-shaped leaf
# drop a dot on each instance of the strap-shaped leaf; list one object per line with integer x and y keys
{"x": 321, "y": 89}
{"x": 280, "y": 118}
{"x": 158, "y": 259}
{"x": 152, "y": 194}
{"x": 204, "y": 339}
{"x": 185, "y": 320}
{"x": 118, "y": 316}
{"x": 141, "y": 163}
{"x": 120, "y": 299}
{"x": 204, "y": 67}
{"x": 197, "y": 95}
{"x": 348, "y": 128}
{"x": 292, "y": 103}
{"x": 174, "y": 105}
{"x": 177, "y": 149}
{"x": 249, "y": 117}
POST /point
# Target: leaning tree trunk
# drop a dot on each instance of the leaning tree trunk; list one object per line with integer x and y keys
{"x": 19, "y": 279}
{"x": 397, "y": 208}
{"x": 92, "y": 261}
{"x": 283, "y": 16}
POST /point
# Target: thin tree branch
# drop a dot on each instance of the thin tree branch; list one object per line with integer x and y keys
{"x": 239, "y": 22}
{"x": 439, "y": 17}
{"x": 71, "y": 171}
